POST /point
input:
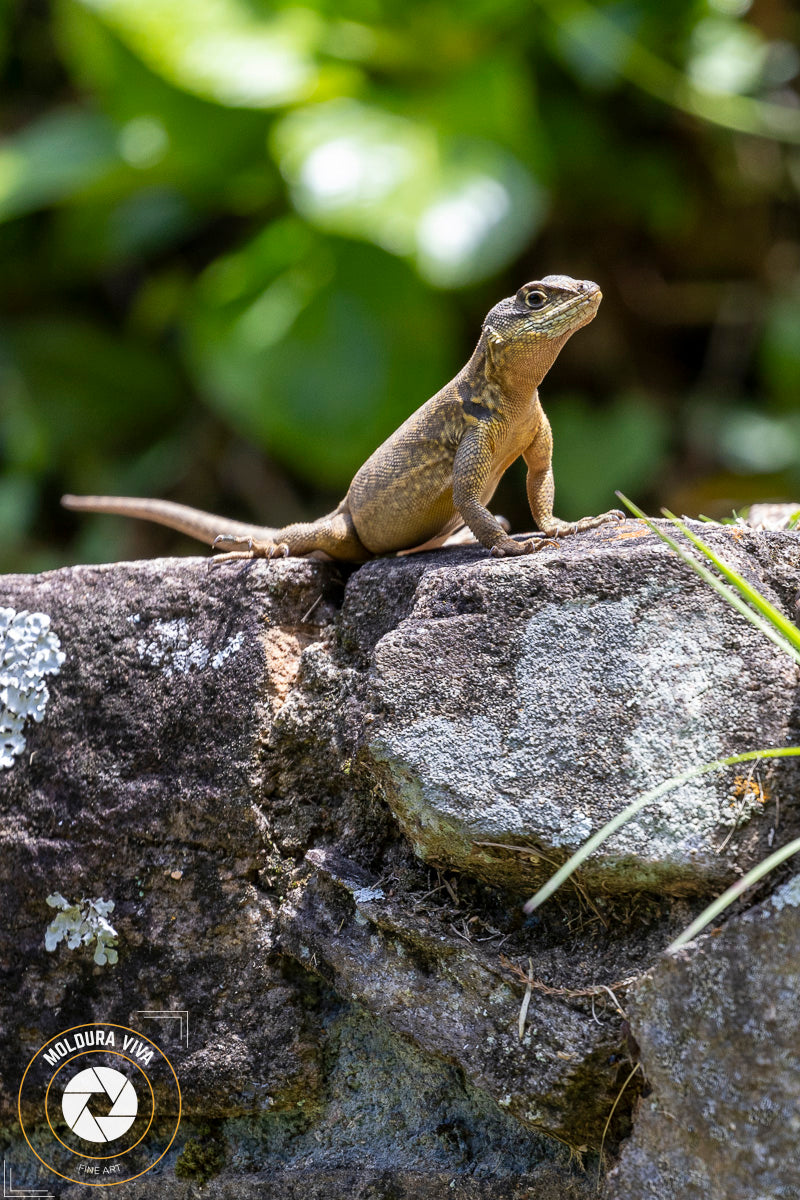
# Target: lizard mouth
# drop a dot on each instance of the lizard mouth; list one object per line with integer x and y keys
{"x": 572, "y": 311}
{"x": 580, "y": 301}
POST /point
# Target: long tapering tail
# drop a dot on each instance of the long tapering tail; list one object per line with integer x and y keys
{"x": 191, "y": 521}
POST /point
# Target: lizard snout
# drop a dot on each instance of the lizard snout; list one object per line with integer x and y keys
{"x": 587, "y": 285}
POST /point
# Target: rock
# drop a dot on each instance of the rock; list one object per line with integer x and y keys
{"x": 718, "y": 1025}
{"x": 561, "y": 1076}
{"x": 246, "y": 761}
{"x": 191, "y": 747}
{"x": 523, "y": 703}
{"x": 138, "y": 786}
{"x": 773, "y": 516}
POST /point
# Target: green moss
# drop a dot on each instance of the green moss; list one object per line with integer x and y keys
{"x": 202, "y": 1158}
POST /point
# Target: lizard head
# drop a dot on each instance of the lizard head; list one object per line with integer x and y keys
{"x": 526, "y": 331}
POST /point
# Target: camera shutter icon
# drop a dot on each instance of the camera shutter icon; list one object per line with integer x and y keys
{"x": 96, "y": 1082}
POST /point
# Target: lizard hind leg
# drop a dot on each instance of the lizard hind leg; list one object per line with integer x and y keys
{"x": 334, "y": 535}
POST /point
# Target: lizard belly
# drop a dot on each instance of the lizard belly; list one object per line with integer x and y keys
{"x": 403, "y": 494}
{"x": 396, "y": 512}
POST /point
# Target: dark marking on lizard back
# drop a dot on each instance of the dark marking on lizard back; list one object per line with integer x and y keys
{"x": 470, "y": 402}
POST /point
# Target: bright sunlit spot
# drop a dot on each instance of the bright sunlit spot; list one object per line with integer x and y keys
{"x": 726, "y": 56}
{"x": 245, "y": 68}
{"x": 349, "y": 170}
{"x": 452, "y": 230}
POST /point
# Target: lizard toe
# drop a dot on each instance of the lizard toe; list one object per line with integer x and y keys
{"x": 511, "y": 548}
{"x": 234, "y": 539}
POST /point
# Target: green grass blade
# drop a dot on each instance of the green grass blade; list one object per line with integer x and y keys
{"x": 734, "y": 892}
{"x": 754, "y": 597}
{"x": 764, "y": 626}
{"x": 602, "y": 835}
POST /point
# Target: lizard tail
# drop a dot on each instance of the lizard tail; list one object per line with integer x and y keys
{"x": 205, "y": 527}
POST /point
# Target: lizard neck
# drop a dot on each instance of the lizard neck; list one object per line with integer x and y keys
{"x": 508, "y": 372}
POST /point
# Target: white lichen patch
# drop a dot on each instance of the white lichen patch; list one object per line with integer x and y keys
{"x": 170, "y": 647}
{"x": 787, "y": 894}
{"x": 28, "y": 652}
{"x": 232, "y": 646}
{"x": 365, "y": 894}
{"x": 82, "y": 923}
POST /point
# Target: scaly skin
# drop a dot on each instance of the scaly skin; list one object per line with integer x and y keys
{"x": 440, "y": 469}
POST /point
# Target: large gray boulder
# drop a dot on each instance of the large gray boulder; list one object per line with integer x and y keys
{"x": 524, "y": 705}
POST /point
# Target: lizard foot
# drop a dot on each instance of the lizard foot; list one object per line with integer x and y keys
{"x": 558, "y": 528}
{"x": 509, "y": 547}
{"x": 254, "y": 548}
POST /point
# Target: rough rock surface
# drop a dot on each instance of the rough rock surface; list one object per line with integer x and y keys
{"x": 251, "y": 762}
{"x": 529, "y": 706}
{"x": 724, "y": 1114}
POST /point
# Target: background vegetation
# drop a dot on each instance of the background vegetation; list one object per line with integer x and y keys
{"x": 242, "y": 240}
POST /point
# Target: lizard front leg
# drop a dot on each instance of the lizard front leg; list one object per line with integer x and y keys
{"x": 471, "y": 468}
{"x": 541, "y": 488}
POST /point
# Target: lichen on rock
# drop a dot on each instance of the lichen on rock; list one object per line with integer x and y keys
{"x": 29, "y": 651}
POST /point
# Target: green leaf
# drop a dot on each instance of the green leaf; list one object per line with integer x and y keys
{"x": 210, "y": 154}
{"x": 628, "y": 445}
{"x": 596, "y": 35}
{"x": 57, "y": 156}
{"x": 459, "y": 208}
{"x": 219, "y": 49}
{"x": 84, "y": 395}
{"x": 316, "y": 351}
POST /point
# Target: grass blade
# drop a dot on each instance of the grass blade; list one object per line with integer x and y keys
{"x": 754, "y": 597}
{"x": 734, "y": 892}
{"x": 768, "y": 627}
{"x": 602, "y": 835}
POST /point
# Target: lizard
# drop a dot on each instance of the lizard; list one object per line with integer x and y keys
{"x": 440, "y": 469}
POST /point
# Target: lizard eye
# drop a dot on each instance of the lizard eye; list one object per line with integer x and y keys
{"x": 535, "y": 299}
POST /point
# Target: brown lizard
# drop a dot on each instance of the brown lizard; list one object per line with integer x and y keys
{"x": 440, "y": 469}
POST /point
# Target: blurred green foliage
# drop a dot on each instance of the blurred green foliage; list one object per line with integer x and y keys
{"x": 242, "y": 240}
